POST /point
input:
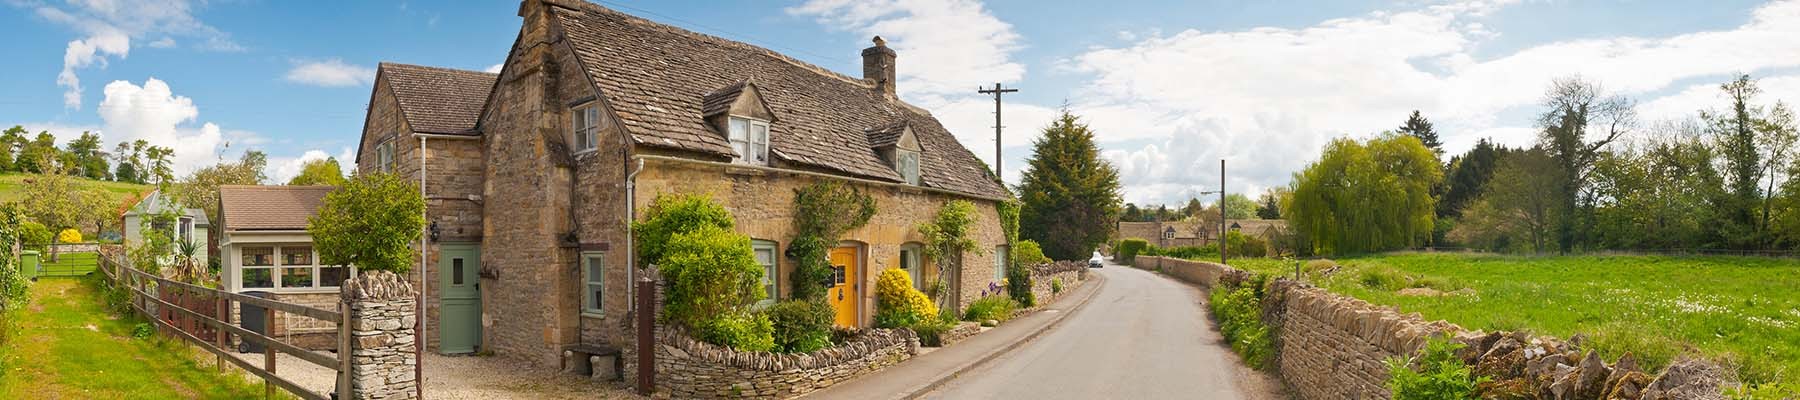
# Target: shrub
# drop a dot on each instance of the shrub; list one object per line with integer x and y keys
{"x": 1765, "y": 391}
{"x": 1027, "y": 253}
{"x": 710, "y": 272}
{"x": 1055, "y": 285}
{"x": 142, "y": 331}
{"x": 370, "y": 222}
{"x": 69, "y": 236}
{"x": 673, "y": 214}
{"x": 1242, "y": 245}
{"x": 1440, "y": 374}
{"x": 897, "y": 304}
{"x": 1240, "y": 321}
{"x": 1381, "y": 279}
{"x": 34, "y": 234}
{"x": 1128, "y": 249}
{"x": 738, "y": 330}
{"x": 12, "y": 281}
{"x": 998, "y": 308}
{"x": 801, "y": 326}
{"x": 1207, "y": 252}
{"x": 1018, "y": 282}
{"x": 931, "y": 333}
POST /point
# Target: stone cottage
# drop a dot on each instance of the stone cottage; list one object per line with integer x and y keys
{"x": 1197, "y": 232}
{"x": 540, "y": 169}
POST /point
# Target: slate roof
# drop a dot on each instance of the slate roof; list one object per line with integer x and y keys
{"x": 720, "y": 100}
{"x": 657, "y": 78}
{"x": 263, "y": 208}
{"x": 438, "y": 100}
{"x": 162, "y": 203}
{"x": 886, "y": 135}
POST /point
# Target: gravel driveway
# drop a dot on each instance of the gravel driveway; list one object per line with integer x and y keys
{"x": 465, "y": 377}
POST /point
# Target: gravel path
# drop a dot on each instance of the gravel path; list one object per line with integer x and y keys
{"x": 466, "y": 377}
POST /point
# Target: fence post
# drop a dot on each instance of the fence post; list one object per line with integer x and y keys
{"x": 344, "y": 351}
{"x": 646, "y": 336}
{"x": 269, "y": 351}
{"x": 224, "y": 307}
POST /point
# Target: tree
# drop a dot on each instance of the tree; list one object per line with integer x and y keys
{"x": 1467, "y": 175}
{"x": 85, "y": 157}
{"x": 1361, "y": 197}
{"x": 1518, "y": 209}
{"x": 39, "y": 154}
{"x": 200, "y": 189}
{"x": 1661, "y": 194}
{"x": 1417, "y": 126}
{"x": 324, "y": 172}
{"x": 1071, "y": 197}
{"x": 59, "y": 203}
{"x": 370, "y": 223}
{"x": 1192, "y": 209}
{"x": 1778, "y": 135}
{"x": 130, "y": 160}
{"x": 161, "y": 170}
{"x": 10, "y": 140}
{"x": 1578, "y": 109}
{"x": 1269, "y": 205}
{"x": 1239, "y": 206}
{"x": 1132, "y": 213}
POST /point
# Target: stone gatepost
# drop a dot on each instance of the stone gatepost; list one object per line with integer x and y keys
{"x": 382, "y": 311}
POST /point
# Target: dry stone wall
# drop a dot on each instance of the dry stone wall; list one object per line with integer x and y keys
{"x": 382, "y": 312}
{"x": 1072, "y": 274}
{"x": 1330, "y": 346}
{"x": 690, "y": 369}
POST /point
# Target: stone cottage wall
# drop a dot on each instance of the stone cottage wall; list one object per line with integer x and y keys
{"x": 382, "y": 313}
{"x": 690, "y": 369}
{"x": 1330, "y": 346}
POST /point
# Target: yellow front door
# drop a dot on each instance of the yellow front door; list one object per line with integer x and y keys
{"x": 844, "y": 294}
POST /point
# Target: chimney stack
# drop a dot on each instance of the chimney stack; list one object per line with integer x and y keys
{"x": 878, "y": 66}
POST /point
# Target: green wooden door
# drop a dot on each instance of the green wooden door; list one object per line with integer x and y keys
{"x": 459, "y": 298}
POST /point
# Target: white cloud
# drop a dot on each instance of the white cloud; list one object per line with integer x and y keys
{"x": 332, "y": 72}
{"x": 282, "y": 169}
{"x": 154, "y": 113}
{"x": 107, "y": 27}
{"x": 944, "y": 46}
{"x": 495, "y": 69}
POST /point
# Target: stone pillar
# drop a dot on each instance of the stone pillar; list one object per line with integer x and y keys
{"x": 382, "y": 312}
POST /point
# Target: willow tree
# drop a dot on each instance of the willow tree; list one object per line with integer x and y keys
{"x": 1366, "y": 196}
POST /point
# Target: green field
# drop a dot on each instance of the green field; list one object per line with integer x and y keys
{"x": 71, "y": 264}
{"x": 64, "y": 345}
{"x": 1744, "y": 312}
{"x": 13, "y": 185}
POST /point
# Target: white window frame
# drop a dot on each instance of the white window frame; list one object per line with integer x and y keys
{"x": 584, "y": 128}
{"x": 771, "y": 280}
{"x": 593, "y": 278}
{"x": 912, "y": 259}
{"x": 1168, "y": 234}
{"x": 244, "y": 268}
{"x": 751, "y": 143}
{"x": 385, "y": 157}
{"x": 278, "y": 263}
{"x": 1000, "y": 256}
{"x": 907, "y": 163}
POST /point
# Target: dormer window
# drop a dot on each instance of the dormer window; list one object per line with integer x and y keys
{"x": 906, "y": 162}
{"x": 750, "y": 138}
{"x": 585, "y": 123}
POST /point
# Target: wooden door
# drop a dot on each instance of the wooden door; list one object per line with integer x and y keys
{"x": 845, "y": 294}
{"x": 459, "y": 298}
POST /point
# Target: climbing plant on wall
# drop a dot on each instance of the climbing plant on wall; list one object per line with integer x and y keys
{"x": 12, "y": 281}
{"x": 1018, "y": 274}
{"x": 823, "y": 212}
{"x": 947, "y": 237}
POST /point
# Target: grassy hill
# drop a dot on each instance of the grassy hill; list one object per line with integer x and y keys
{"x": 1743, "y": 310}
{"x": 13, "y": 185}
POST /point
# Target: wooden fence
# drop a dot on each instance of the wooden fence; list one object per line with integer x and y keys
{"x": 192, "y": 312}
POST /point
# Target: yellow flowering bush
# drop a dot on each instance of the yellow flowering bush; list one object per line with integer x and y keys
{"x": 69, "y": 236}
{"x": 897, "y": 304}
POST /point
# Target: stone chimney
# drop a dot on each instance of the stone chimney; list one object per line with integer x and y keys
{"x": 878, "y": 66}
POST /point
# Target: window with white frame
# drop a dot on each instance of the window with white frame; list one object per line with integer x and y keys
{"x": 907, "y": 163}
{"x": 258, "y": 267}
{"x": 585, "y": 126}
{"x": 593, "y": 267}
{"x": 1169, "y": 233}
{"x": 297, "y": 268}
{"x": 384, "y": 156}
{"x": 911, "y": 260}
{"x": 1000, "y": 257}
{"x": 750, "y": 138}
{"x": 765, "y": 256}
{"x": 185, "y": 230}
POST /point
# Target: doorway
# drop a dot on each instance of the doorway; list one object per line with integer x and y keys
{"x": 459, "y": 298}
{"x": 845, "y": 294}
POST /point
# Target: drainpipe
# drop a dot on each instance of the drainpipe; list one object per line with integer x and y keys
{"x": 630, "y": 247}
{"x": 424, "y": 285}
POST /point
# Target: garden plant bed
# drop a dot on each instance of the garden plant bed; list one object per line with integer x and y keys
{"x": 1741, "y": 311}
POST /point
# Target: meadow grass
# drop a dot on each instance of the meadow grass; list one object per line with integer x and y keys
{"x": 64, "y": 344}
{"x": 1741, "y": 311}
{"x": 12, "y": 187}
{"x": 71, "y": 264}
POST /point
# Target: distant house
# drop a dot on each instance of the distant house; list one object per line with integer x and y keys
{"x": 265, "y": 248}
{"x": 1197, "y": 233}
{"x": 190, "y": 224}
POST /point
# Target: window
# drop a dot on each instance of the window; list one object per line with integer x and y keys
{"x": 257, "y": 267}
{"x": 750, "y": 138}
{"x": 384, "y": 155}
{"x": 593, "y": 266}
{"x": 186, "y": 233}
{"x": 1169, "y": 233}
{"x": 1000, "y": 257}
{"x": 586, "y": 127}
{"x": 910, "y": 261}
{"x": 907, "y": 163}
{"x": 765, "y": 256}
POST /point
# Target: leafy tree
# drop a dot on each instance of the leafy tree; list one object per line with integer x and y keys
{"x": 1071, "y": 197}
{"x": 324, "y": 172}
{"x": 1735, "y": 130}
{"x": 85, "y": 158}
{"x": 1361, "y": 197}
{"x": 1269, "y": 205}
{"x": 1132, "y": 213}
{"x": 1517, "y": 211}
{"x": 200, "y": 189}
{"x": 1778, "y": 136}
{"x": 1467, "y": 175}
{"x": 161, "y": 170}
{"x": 1239, "y": 206}
{"x": 10, "y": 140}
{"x": 59, "y": 203}
{"x": 672, "y": 214}
{"x": 1578, "y": 109}
{"x": 1661, "y": 194}
{"x": 370, "y": 223}
{"x": 39, "y": 155}
{"x": 1192, "y": 209}
{"x": 130, "y": 160}
{"x": 1417, "y": 126}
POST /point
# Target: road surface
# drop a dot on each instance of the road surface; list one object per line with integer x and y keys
{"x": 1143, "y": 336}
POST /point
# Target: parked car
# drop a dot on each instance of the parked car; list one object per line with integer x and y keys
{"x": 1098, "y": 261}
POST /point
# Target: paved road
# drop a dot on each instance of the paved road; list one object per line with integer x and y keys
{"x": 1143, "y": 336}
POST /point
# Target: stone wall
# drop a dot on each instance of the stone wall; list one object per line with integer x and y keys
{"x": 963, "y": 330}
{"x": 382, "y": 313}
{"x": 1072, "y": 274}
{"x": 687, "y": 368}
{"x": 1330, "y": 346}
{"x": 306, "y": 332}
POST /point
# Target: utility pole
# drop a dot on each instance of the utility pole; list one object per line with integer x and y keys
{"x": 997, "y": 91}
{"x": 1222, "y": 241}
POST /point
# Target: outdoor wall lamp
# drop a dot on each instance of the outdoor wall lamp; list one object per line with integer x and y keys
{"x": 434, "y": 231}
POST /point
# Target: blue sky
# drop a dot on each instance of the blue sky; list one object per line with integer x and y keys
{"x": 1171, "y": 86}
